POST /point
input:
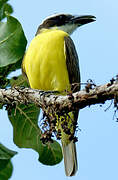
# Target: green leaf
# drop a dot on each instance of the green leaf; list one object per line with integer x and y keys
{"x": 1, "y": 105}
{"x": 27, "y": 134}
{"x": 5, "y": 7}
{"x": 6, "y": 167}
{"x": 5, "y": 155}
{"x": 6, "y": 173}
{"x": 3, "y": 2}
{"x": 51, "y": 155}
{"x": 19, "y": 81}
{"x": 4, "y": 72}
{"x": 12, "y": 42}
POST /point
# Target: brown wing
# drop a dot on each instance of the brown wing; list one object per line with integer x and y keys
{"x": 72, "y": 63}
{"x": 74, "y": 77}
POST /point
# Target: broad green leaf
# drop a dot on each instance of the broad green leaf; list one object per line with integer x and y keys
{"x": 6, "y": 167}
{"x": 27, "y": 134}
{"x": 51, "y": 155}
{"x": 12, "y": 41}
{"x": 5, "y": 7}
{"x": 5, "y": 155}
{"x": 3, "y": 2}
{"x": 4, "y": 72}
{"x": 6, "y": 173}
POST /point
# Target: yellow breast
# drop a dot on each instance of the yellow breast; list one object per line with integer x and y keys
{"x": 45, "y": 61}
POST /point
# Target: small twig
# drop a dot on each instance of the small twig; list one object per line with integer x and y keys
{"x": 109, "y": 106}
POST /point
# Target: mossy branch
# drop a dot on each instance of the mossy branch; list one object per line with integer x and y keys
{"x": 70, "y": 102}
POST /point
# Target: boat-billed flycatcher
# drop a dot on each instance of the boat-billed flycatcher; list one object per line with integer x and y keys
{"x": 51, "y": 63}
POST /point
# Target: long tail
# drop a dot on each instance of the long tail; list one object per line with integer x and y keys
{"x": 70, "y": 158}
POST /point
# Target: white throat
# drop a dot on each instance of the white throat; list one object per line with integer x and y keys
{"x": 69, "y": 28}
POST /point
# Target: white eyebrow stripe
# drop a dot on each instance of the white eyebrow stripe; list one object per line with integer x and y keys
{"x": 53, "y": 15}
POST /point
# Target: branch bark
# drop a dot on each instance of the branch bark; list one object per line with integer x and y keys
{"x": 70, "y": 102}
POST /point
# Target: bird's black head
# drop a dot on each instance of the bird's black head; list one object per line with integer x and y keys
{"x": 65, "y": 22}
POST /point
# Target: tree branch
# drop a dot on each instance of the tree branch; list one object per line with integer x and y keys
{"x": 67, "y": 103}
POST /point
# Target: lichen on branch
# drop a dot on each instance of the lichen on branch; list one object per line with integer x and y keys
{"x": 71, "y": 101}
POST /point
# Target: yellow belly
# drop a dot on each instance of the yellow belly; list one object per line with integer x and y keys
{"x": 45, "y": 62}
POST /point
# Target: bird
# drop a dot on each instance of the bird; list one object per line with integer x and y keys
{"x": 51, "y": 64}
